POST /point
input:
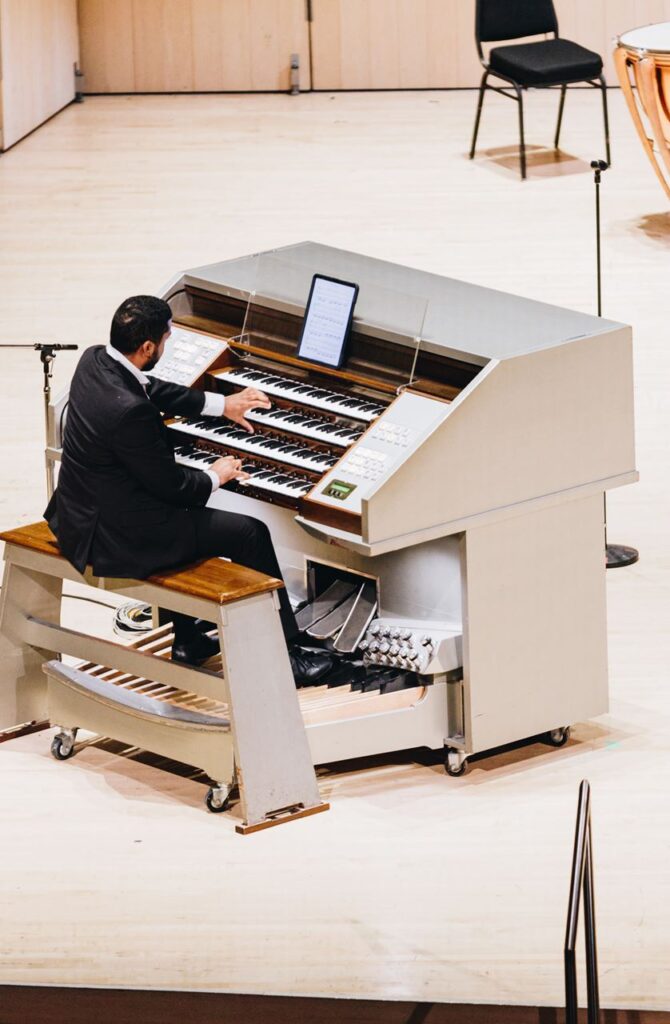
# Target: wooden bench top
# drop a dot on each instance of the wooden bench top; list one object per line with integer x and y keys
{"x": 212, "y": 579}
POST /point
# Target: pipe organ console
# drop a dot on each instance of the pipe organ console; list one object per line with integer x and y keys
{"x": 436, "y": 503}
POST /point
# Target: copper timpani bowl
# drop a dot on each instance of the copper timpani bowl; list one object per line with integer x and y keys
{"x": 642, "y": 58}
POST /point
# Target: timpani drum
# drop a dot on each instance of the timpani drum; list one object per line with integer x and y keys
{"x": 642, "y": 58}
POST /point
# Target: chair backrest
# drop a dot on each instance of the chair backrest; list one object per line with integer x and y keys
{"x": 512, "y": 19}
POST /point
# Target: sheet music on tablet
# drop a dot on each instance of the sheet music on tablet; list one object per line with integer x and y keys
{"x": 328, "y": 317}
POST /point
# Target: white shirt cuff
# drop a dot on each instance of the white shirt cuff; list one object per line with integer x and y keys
{"x": 216, "y": 483}
{"x": 214, "y": 404}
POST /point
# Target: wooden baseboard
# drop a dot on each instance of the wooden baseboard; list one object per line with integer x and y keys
{"x": 27, "y": 1004}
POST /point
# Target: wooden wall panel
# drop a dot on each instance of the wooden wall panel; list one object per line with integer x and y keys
{"x": 192, "y": 45}
{"x": 38, "y": 51}
{"x": 229, "y": 45}
{"x": 163, "y": 45}
{"x": 106, "y": 45}
{"x": 393, "y": 44}
{"x": 400, "y": 44}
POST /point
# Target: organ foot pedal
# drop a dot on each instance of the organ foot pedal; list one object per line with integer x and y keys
{"x": 324, "y": 604}
{"x": 332, "y": 623}
{"x": 347, "y": 623}
{"x": 360, "y": 616}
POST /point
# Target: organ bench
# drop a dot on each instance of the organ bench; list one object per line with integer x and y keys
{"x": 240, "y": 722}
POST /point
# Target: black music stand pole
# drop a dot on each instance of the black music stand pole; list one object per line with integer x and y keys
{"x": 618, "y": 555}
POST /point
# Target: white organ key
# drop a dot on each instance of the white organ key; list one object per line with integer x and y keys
{"x": 257, "y": 444}
{"x": 306, "y": 394}
{"x": 264, "y": 481}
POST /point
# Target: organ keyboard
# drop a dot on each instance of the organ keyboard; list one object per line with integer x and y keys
{"x": 263, "y": 477}
{"x": 310, "y": 395}
{"x": 302, "y": 454}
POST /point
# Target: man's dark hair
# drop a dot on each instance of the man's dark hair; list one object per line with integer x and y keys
{"x": 140, "y": 318}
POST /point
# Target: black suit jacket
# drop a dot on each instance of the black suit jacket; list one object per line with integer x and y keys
{"x": 122, "y": 502}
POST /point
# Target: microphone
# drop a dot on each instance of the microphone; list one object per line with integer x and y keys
{"x": 40, "y": 347}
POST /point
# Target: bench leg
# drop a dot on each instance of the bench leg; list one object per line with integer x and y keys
{"x": 274, "y": 764}
{"x": 25, "y": 592}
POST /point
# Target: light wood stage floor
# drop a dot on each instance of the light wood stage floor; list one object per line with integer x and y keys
{"x": 415, "y": 886}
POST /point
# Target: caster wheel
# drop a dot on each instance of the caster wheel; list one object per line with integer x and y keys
{"x": 217, "y": 800}
{"x": 558, "y": 737}
{"x": 61, "y": 749}
{"x": 454, "y": 766}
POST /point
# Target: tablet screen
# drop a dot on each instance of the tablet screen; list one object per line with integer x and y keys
{"x": 327, "y": 323}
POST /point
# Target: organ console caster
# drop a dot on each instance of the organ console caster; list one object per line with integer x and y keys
{"x": 558, "y": 737}
{"x": 62, "y": 745}
{"x": 455, "y": 763}
{"x": 218, "y": 798}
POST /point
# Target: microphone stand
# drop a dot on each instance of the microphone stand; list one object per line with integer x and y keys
{"x": 617, "y": 555}
{"x": 47, "y": 351}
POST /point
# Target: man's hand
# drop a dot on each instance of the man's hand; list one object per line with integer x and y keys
{"x": 237, "y": 406}
{"x": 228, "y": 468}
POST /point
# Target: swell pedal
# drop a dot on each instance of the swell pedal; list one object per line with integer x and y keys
{"x": 324, "y": 604}
{"x": 359, "y": 619}
{"x": 332, "y": 623}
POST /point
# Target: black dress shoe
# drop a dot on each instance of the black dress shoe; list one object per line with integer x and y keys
{"x": 195, "y": 651}
{"x": 310, "y": 666}
{"x": 203, "y": 626}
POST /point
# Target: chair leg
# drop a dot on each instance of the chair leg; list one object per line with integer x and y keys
{"x": 603, "y": 89}
{"x": 522, "y": 140}
{"x": 560, "y": 116}
{"x": 482, "y": 89}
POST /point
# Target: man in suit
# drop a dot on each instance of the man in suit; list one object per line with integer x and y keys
{"x": 122, "y": 503}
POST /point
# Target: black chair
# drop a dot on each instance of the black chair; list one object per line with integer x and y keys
{"x": 538, "y": 65}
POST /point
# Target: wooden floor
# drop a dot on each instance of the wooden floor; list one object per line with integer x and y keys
{"x": 415, "y": 886}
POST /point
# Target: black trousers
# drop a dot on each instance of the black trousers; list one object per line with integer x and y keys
{"x": 244, "y": 540}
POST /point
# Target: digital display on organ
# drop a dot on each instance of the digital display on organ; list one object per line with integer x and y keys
{"x": 327, "y": 321}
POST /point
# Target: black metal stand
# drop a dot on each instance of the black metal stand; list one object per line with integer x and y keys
{"x": 618, "y": 555}
{"x": 581, "y": 879}
{"x": 47, "y": 353}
